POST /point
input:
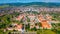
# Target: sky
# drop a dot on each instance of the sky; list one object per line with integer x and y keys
{"x": 27, "y": 1}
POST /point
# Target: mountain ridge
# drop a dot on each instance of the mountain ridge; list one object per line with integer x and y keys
{"x": 33, "y": 3}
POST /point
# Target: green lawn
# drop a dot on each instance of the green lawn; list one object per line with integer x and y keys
{"x": 45, "y": 32}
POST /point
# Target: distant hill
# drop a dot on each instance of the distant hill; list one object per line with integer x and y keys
{"x": 41, "y": 4}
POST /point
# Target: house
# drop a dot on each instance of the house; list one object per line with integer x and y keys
{"x": 44, "y": 22}
{"x": 48, "y": 17}
{"x": 31, "y": 17}
{"x": 32, "y": 25}
{"x": 37, "y": 26}
{"x": 20, "y": 17}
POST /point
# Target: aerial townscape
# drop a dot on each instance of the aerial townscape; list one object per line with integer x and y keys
{"x": 29, "y": 18}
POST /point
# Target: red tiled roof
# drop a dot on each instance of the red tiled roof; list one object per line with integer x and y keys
{"x": 44, "y": 23}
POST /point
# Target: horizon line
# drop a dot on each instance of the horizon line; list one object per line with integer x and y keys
{"x": 30, "y": 2}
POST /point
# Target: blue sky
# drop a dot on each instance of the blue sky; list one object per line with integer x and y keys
{"x": 26, "y": 1}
